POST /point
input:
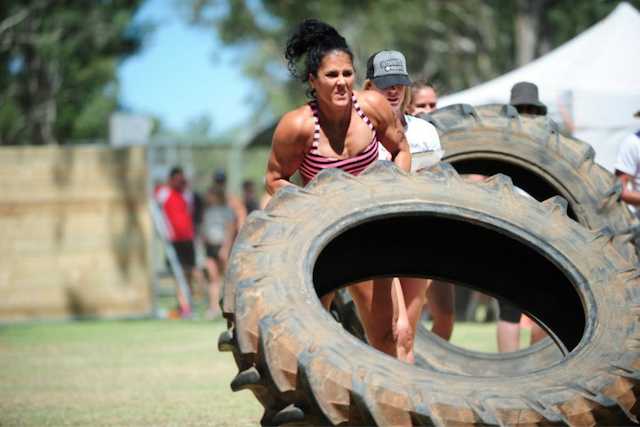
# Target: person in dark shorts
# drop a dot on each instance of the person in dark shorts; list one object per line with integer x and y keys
{"x": 218, "y": 232}
{"x": 186, "y": 254}
{"x": 524, "y": 96}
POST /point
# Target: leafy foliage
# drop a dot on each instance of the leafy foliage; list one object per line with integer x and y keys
{"x": 454, "y": 43}
{"x": 58, "y": 61}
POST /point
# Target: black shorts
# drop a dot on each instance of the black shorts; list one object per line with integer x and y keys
{"x": 186, "y": 253}
{"x": 508, "y": 312}
{"x": 213, "y": 251}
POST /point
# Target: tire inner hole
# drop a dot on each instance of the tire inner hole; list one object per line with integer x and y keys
{"x": 461, "y": 252}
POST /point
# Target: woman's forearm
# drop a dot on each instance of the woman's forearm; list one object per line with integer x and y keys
{"x": 403, "y": 160}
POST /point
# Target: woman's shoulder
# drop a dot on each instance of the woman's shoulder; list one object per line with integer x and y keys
{"x": 369, "y": 98}
{"x": 373, "y": 104}
{"x": 296, "y": 123}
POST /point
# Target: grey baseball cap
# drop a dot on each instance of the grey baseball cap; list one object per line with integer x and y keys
{"x": 388, "y": 68}
{"x": 525, "y": 93}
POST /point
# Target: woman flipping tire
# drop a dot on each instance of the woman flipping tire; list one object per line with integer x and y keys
{"x": 305, "y": 368}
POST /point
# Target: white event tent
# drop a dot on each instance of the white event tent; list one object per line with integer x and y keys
{"x": 591, "y": 84}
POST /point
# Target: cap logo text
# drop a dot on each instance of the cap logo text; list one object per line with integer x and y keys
{"x": 392, "y": 65}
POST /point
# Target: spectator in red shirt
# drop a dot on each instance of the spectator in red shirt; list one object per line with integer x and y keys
{"x": 177, "y": 203}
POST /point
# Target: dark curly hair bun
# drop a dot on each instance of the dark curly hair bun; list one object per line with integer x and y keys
{"x": 312, "y": 40}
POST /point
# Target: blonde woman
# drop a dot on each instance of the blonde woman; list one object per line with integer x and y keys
{"x": 387, "y": 75}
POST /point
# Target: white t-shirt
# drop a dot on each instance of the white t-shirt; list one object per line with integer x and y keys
{"x": 421, "y": 135}
{"x": 628, "y": 161}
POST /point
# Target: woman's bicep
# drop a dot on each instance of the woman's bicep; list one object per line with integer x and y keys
{"x": 287, "y": 153}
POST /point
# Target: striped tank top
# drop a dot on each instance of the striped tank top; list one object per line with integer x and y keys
{"x": 314, "y": 162}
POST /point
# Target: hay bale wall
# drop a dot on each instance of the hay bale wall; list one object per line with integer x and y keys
{"x": 74, "y": 233}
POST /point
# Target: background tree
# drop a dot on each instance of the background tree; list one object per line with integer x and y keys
{"x": 58, "y": 61}
{"x": 455, "y": 43}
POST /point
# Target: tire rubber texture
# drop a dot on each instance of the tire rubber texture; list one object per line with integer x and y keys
{"x": 306, "y": 369}
{"x": 530, "y": 150}
{"x": 494, "y": 139}
{"x": 344, "y": 311}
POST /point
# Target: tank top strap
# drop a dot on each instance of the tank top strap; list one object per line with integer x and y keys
{"x": 361, "y": 113}
{"x": 316, "y": 121}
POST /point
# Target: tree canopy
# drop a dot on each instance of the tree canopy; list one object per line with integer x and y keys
{"x": 454, "y": 43}
{"x": 58, "y": 61}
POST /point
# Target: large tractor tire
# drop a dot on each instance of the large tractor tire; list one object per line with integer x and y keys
{"x": 494, "y": 139}
{"x": 305, "y": 368}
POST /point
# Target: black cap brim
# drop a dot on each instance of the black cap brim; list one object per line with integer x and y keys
{"x": 387, "y": 81}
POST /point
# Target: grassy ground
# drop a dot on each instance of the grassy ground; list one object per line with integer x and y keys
{"x": 134, "y": 373}
{"x": 481, "y": 336}
{"x": 129, "y": 373}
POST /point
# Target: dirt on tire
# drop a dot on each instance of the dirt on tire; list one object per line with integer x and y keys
{"x": 495, "y": 139}
{"x": 306, "y": 369}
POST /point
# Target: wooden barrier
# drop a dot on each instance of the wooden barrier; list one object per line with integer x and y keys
{"x": 74, "y": 233}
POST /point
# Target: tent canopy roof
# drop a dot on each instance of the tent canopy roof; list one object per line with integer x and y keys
{"x": 604, "y": 59}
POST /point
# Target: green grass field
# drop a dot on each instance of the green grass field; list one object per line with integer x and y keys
{"x": 134, "y": 373}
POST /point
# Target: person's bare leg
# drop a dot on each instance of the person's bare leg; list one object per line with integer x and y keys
{"x": 327, "y": 300}
{"x": 188, "y": 275}
{"x": 214, "y": 284}
{"x": 414, "y": 296}
{"x": 377, "y": 304}
{"x": 197, "y": 277}
{"x": 403, "y": 326}
{"x": 537, "y": 333}
{"x": 508, "y": 336}
{"x": 441, "y": 300}
{"x": 183, "y": 299}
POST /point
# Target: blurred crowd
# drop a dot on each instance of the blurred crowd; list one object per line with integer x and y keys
{"x": 207, "y": 223}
